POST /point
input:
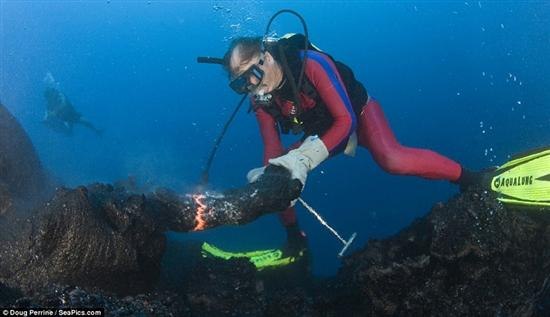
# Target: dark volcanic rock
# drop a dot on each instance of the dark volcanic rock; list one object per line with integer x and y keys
{"x": 21, "y": 174}
{"x": 224, "y": 288}
{"x": 79, "y": 239}
{"x": 100, "y": 236}
{"x": 470, "y": 256}
{"x": 105, "y": 237}
{"x": 162, "y": 304}
{"x": 108, "y": 240}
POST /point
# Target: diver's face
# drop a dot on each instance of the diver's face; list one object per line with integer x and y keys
{"x": 272, "y": 74}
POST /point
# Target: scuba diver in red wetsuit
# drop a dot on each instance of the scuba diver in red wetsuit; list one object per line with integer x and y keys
{"x": 299, "y": 90}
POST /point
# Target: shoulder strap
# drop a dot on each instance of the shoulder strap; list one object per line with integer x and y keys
{"x": 283, "y": 122}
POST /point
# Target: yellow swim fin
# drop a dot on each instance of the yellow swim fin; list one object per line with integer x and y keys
{"x": 524, "y": 180}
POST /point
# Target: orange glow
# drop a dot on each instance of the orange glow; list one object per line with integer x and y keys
{"x": 201, "y": 209}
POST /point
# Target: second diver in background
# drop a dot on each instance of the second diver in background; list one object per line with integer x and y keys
{"x": 61, "y": 116}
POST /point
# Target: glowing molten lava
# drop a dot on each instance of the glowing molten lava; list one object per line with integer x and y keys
{"x": 201, "y": 209}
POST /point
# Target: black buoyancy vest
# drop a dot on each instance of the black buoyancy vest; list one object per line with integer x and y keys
{"x": 318, "y": 119}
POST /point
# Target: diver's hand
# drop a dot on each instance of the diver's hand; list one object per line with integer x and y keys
{"x": 277, "y": 177}
{"x": 273, "y": 174}
{"x": 302, "y": 160}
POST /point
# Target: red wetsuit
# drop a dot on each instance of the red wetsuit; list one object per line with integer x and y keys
{"x": 370, "y": 124}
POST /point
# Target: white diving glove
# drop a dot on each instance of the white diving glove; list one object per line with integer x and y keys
{"x": 303, "y": 159}
{"x": 254, "y": 174}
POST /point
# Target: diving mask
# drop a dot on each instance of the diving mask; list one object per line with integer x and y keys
{"x": 242, "y": 84}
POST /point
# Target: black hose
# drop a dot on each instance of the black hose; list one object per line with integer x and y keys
{"x": 206, "y": 171}
{"x": 210, "y": 60}
{"x": 306, "y": 40}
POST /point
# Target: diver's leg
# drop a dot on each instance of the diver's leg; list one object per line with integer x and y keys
{"x": 288, "y": 217}
{"x": 296, "y": 241}
{"x": 90, "y": 126}
{"x": 375, "y": 134}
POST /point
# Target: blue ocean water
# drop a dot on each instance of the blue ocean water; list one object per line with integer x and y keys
{"x": 468, "y": 79}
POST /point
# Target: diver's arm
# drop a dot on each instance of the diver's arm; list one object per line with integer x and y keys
{"x": 272, "y": 142}
{"x": 324, "y": 76}
{"x": 273, "y": 146}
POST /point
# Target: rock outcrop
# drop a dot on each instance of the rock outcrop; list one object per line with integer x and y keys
{"x": 104, "y": 237}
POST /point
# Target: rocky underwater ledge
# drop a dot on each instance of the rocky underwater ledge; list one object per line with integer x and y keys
{"x": 104, "y": 246}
